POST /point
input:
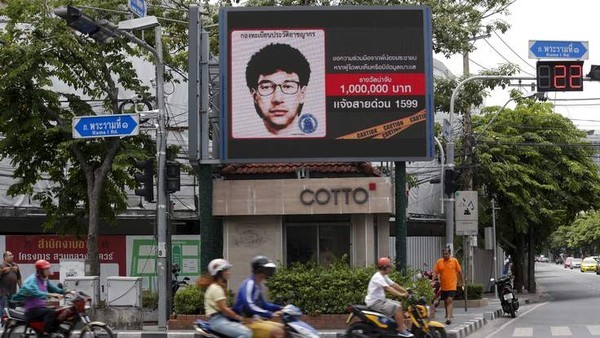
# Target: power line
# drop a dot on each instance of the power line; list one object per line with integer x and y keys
{"x": 512, "y": 50}
{"x": 477, "y": 64}
{"x": 502, "y": 56}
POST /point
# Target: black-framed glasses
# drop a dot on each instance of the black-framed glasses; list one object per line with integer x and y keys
{"x": 266, "y": 88}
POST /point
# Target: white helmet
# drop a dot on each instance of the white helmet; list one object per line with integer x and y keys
{"x": 216, "y": 265}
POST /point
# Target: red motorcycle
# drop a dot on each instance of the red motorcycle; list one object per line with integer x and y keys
{"x": 72, "y": 315}
{"x": 435, "y": 285}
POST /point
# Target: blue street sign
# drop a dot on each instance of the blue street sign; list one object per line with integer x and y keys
{"x": 137, "y": 7}
{"x": 558, "y": 50}
{"x": 106, "y": 126}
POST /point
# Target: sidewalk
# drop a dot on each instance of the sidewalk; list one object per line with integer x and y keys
{"x": 464, "y": 323}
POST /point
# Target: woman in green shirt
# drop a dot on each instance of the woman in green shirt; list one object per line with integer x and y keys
{"x": 222, "y": 319}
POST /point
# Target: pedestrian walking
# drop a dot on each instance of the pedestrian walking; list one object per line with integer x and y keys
{"x": 449, "y": 272}
{"x": 10, "y": 277}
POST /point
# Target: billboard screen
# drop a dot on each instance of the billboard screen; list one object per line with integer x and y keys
{"x": 326, "y": 84}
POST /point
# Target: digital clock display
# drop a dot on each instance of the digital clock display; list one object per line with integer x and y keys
{"x": 559, "y": 76}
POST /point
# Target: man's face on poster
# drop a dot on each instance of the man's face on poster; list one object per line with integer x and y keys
{"x": 278, "y": 98}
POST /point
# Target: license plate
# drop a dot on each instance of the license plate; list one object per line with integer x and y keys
{"x": 349, "y": 318}
{"x": 508, "y": 296}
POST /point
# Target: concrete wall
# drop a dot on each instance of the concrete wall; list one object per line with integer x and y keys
{"x": 248, "y": 236}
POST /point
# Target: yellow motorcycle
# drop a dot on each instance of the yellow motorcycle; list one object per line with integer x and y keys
{"x": 366, "y": 323}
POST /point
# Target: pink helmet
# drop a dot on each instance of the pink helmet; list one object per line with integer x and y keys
{"x": 42, "y": 264}
{"x": 383, "y": 262}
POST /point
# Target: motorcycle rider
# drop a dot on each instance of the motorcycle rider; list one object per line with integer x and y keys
{"x": 250, "y": 301}
{"x": 379, "y": 284}
{"x": 34, "y": 292}
{"x": 222, "y": 319}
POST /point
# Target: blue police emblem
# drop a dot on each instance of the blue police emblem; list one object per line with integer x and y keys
{"x": 307, "y": 123}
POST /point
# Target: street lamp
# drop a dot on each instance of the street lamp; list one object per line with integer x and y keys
{"x": 103, "y": 31}
{"x": 450, "y": 148}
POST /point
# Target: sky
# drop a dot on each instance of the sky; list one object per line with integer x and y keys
{"x": 559, "y": 20}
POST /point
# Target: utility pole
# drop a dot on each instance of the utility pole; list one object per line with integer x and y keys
{"x": 495, "y": 246}
{"x": 401, "y": 205}
{"x": 450, "y": 144}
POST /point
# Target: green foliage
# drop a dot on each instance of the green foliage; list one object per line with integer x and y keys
{"x": 455, "y": 23}
{"x": 317, "y": 290}
{"x": 189, "y": 300}
{"x": 539, "y": 168}
{"x": 314, "y": 289}
{"x": 149, "y": 299}
{"x": 88, "y": 178}
{"x": 475, "y": 291}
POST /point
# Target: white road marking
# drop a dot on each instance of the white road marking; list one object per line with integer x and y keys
{"x": 521, "y": 315}
{"x": 560, "y": 331}
{"x": 594, "y": 330}
{"x": 523, "y": 332}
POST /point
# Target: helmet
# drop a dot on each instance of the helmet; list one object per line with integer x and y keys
{"x": 383, "y": 262}
{"x": 262, "y": 264}
{"x": 42, "y": 264}
{"x": 217, "y": 265}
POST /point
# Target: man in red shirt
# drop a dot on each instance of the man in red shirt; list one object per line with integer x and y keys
{"x": 450, "y": 272}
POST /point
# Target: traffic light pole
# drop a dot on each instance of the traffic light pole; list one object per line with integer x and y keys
{"x": 450, "y": 148}
{"x": 161, "y": 206}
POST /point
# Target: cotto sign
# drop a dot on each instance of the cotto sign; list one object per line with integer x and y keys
{"x": 336, "y": 196}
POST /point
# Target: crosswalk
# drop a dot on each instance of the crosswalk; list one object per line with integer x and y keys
{"x": 556, "y": 331}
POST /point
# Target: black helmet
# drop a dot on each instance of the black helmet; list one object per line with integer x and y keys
{"x": 262, "y": 264}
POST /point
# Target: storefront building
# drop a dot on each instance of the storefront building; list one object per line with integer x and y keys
{"x": 301, "y": 220}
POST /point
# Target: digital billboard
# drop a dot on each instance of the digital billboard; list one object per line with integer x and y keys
{"x": 326, "y": 84}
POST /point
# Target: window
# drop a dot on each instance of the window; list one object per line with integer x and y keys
{"x": 321, "y": 242}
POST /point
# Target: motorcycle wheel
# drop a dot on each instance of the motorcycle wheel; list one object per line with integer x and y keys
{"x": 434, "y": 332}
{"x": 97, "y": 331}
{"x": 512, "y": 311}
{"x": 360, "y": 330}
{"x": 19, "y": 330}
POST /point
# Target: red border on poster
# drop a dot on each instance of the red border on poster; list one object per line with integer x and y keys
{"x": 53, "y": 248}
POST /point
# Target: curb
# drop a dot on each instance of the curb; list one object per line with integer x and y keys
{"x": 461, "y": 331}
{"x": 471, "y": 326}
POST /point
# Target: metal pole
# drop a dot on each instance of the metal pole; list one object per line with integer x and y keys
{"x": 161, "y": 206}
{"x": 494, "y": 242}
{"x": 439, "y": 144}
{"x": 450, "y": 147}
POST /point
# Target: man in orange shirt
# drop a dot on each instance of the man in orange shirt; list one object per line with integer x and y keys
{"x": 449, "y": 271}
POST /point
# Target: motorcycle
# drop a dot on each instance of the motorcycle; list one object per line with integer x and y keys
{"x": 373, "y": 324}
{"x": 176, "y": 284}
{"x": 293, "y": 326}
{"x": 508, "y": 301}
{"x": 71, "y": 315}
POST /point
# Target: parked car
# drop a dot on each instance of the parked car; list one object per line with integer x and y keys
{"x": 567, "y": 263}
{"x": 589, "y": 264}
{"x": 576, "y": 263}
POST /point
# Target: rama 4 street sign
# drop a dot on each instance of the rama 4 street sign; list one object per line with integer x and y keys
{"x": 106, "y": 126}
{"x": 541, "y": 49}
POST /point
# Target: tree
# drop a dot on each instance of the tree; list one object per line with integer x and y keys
{"x": 454, "y": 22}
{"x": 538, "y": 167}
{"x": 88, "y": 177}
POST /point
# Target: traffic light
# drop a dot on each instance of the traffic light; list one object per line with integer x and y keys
{"x": 145, "y": 179}
{"x": 173, "y": 177}
{"x": 450, "y": 182}
{"x": 85, "y": 24}
{"x": 594, "y": 73}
